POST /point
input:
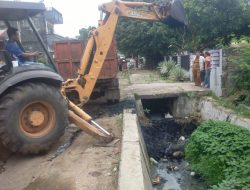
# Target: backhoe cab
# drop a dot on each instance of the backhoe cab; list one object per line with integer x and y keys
{"x": 35, "y": 104}
{"x": 33, "y": 113}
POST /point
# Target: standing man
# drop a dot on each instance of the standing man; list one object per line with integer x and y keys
{"x": 13, "y": 48}
{"x": 202, "y": 69}
{"x": 207, "y": 69}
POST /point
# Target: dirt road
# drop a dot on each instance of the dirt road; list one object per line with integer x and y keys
{"x": 77, "y": 166}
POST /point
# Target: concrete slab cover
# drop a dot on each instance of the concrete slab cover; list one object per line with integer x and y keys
{"x": 160, "y": 90}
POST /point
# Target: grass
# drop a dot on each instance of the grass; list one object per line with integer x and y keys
{"x": 137, "y": 96}
{"x": 156, "y": 78}
{"x": 148, "y": 78}
{"x": 191, "y": 94}
{"x": 119, "y": 120}
{"x": 152, "y": 78}
{"x": 126, "y": 75}
{"x": 239, "y": 110}
{"x": 227, "y": 102}
{"x": 147, "y": 111}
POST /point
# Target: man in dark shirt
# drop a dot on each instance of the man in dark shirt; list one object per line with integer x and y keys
{"x": 14, "y": 49}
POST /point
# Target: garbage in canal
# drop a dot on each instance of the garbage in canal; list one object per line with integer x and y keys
{"x": 157, "y": 180}
{"x": 178, "y": 154}
{"x": 165, "y": 140}
{"x": 168, "y": 116}
{"x": 192, "y": 173}
{"x": 182, "y": 138}
{"x": 180, "y": 179}
{"x": 153, "y": 161}
{"x": 172, "y": 168}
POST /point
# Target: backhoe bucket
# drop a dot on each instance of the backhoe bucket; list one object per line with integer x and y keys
{"x": 85, "y": 122}
{"x": 177, "y": 16}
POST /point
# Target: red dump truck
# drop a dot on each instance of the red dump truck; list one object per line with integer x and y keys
{"x": 68, "y": 56}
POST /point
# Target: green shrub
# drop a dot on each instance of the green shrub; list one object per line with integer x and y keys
{"x": 232, "y": 184}
{"x": 220, "y": 153}
{"x": 169, "y": 70}
{"x": 166, "y": 67}
{"x": 178, "y": 74}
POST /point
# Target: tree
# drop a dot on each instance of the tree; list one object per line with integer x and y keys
{"x": 211, "y": 22}
{"x": 150, "y": 39}
{"x": 84, "y": 33}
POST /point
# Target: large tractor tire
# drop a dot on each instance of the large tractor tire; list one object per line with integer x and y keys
{"x": 32, "y": 117}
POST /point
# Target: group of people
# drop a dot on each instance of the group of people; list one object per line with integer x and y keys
{"x": 201, "y": 68}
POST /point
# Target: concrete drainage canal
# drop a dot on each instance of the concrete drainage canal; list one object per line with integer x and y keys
{"x": 165, "y": 137}
{"x": 156, "y": 134}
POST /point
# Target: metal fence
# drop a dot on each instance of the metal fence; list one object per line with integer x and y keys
{"x": 182, "y": 60}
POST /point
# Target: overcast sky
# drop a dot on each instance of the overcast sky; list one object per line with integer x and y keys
{"x": 76, "y": 14}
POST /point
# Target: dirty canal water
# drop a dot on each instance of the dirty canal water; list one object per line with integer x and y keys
{"x": 165, "y": 141}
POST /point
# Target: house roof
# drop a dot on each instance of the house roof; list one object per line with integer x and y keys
{"x": 15, "y": 10}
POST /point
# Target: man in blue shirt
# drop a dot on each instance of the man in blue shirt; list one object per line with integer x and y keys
{"x": 14, "y": 49}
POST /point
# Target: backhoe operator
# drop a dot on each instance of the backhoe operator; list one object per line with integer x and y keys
{"x": 14, "y": 49}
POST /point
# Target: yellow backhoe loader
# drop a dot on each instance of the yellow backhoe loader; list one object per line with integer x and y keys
{"x": 35, "y": 104}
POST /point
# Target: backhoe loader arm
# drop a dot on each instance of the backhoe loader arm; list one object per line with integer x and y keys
{"x": 96, "y": 50}
{"x": 132, "y": 10}
{"x": 100, "y": 41}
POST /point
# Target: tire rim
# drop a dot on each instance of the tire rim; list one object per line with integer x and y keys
{"x": 37, "y": 119}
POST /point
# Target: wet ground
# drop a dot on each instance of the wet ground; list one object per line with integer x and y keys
{"x": 76, "y": 162}
{"x": 165, "y": 141}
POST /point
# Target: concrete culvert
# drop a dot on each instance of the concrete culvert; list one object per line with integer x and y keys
{"x": 158, "y": 108}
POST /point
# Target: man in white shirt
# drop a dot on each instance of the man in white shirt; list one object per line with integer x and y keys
{"x": 202, "y": 69}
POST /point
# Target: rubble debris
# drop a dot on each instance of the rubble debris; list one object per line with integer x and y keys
{"x": 178, "y": 154}
{"x": 182, "y": 138}
{"x": 192, "y": 173}
{"x": 176, "y": 168}
{"x": 156, "y": 181}
{"x": 164, "y": 160}
{"x": 153, "y": 161}
{"x": 108, "y": 174}
{"x": 173, "y": 168}
{"x": 168, "y": 116}
{"x": 174, "y": 147}
{"x": 115, "y": 169}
